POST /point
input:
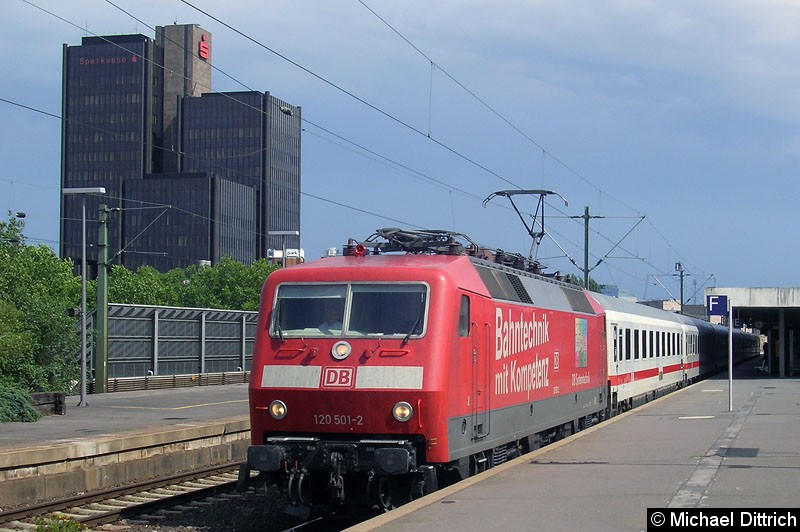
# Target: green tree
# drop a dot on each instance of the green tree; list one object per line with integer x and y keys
{"x": 594, "y": 286}
{"x": 228, "y": 284}
{"x": 145, "y": 286}
{"x": 36, "y": 289}
{"x": 16, "y": 347}
{"x": 258, "y": 273}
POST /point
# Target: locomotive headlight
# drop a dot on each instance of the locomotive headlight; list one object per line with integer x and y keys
{"x": 277, "y": 409}
{"x": 341, "y": 350}
{"x": 402, "y": 411}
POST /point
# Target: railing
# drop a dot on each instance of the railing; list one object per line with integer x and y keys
{"x": 159, "y": 382}
{"x": 176, "y": 343}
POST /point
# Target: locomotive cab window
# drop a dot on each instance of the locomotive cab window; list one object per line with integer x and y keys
{"x": 375, "y": 309}
{"x": 463, "y": 317}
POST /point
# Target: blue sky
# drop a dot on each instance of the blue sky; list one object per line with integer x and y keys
{"x": 683, "y": 112}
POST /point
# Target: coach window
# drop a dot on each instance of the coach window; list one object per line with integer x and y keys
{"x": 627, "y": 344}
{"x": 463, "y": 317}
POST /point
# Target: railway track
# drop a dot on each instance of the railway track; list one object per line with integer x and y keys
{"x": 112, "y": 505}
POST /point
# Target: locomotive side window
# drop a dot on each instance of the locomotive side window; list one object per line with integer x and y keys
{"x": 306, "y": 310}
{"x": 463, "y": 317}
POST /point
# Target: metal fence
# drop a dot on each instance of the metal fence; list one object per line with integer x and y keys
{"x": 155, "y": 342}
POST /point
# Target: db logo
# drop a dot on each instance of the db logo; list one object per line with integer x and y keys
{"x": 337, "y": 377}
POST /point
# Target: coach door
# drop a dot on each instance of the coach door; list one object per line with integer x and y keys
{"x": 615, "y": 350}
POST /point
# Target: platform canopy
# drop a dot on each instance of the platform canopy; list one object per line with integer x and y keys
{"x": 775, "y": 313}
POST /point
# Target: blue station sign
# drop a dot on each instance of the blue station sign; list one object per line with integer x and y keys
{"x": 717, "y": 305}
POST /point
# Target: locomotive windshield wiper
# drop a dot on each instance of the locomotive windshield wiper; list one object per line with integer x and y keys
{"x": 420, "y": 315}
{"x": 278, "y": 322}
{"x": 407, "y": 337}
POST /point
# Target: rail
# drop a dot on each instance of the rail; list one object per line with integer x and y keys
{"x": 117, "y": 503}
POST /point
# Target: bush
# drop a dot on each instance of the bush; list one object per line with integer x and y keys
{"x": 15, "y": 405}
{"x": 58, "y": 524}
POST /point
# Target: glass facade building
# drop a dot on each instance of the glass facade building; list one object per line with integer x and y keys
{"x": 203, "y": 218}
{"x": 228, "y": 164}
{"x": 251, "y": 138}
{"x": 106, "y": 130}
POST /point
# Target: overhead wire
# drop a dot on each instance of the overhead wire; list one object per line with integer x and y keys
{"x": 246, "y": 86}
{"x": 125, "y": 199}
{"x": 215, "y": 166}
{"x": 304, "y": 120}
{"x": 238, "y": 81}
{"x": 375, "y": 108}
{"x": 353, "y": 95}
{"x": 436, "y": 66}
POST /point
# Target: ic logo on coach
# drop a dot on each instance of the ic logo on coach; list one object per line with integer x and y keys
{"x": 337, "y": 377}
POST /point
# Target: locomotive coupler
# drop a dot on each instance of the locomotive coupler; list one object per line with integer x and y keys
{"x": 336, "y": 482}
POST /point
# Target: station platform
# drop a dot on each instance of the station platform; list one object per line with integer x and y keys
{"x": 684, "y": 450}
{"x": 122, "y": 437}
{"x": 688, "y": 449}
{"x": 114, "y": 413}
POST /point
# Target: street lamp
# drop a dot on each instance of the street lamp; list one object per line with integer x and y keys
{"x": 83, "y": 191}
{"x": 283, "y": 235}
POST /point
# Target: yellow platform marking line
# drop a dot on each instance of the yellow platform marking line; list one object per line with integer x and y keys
{"x": 178, "y": 407}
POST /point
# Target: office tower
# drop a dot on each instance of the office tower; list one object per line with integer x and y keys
{"x": 250, "y": 138}
{"x": 172, "y": 156}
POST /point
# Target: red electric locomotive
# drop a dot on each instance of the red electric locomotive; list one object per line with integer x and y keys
{"x": 414, "y": 361}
